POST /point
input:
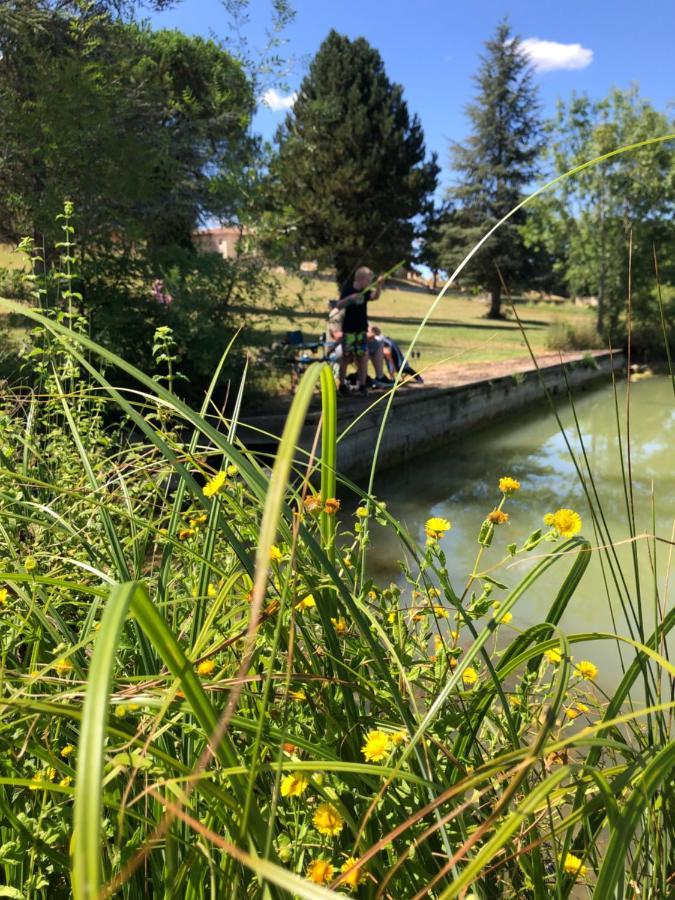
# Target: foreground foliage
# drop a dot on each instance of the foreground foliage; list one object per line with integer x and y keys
{"x": 204, "y": 693}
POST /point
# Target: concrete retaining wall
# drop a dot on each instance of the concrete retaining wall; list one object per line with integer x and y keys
{"x": 420, "y": 418}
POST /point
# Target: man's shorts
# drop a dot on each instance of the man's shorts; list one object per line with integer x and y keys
{"x": 355, "y": 342}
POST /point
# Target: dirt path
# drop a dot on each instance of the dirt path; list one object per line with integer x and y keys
{"x": 452, "y": 374}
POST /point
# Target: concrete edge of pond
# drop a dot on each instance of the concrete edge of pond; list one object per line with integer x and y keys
{"x": 419, "y": 420}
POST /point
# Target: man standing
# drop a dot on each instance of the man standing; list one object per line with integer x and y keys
{"x": 354, "y": 300}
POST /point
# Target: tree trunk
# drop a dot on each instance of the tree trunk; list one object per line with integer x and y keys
{"x": 495, "y": 311}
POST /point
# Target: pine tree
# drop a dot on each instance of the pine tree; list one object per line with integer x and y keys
{"x": 351, "y": 173}
{"x": 494, "y": 166}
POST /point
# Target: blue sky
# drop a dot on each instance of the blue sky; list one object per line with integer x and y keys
{"x": 432, "y": 47}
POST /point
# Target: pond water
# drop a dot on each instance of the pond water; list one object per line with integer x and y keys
{"x": 458, "y": 481}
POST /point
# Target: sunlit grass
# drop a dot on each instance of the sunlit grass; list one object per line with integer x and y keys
{"x": 457, "y": 327}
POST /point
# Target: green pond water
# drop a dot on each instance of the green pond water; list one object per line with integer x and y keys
{"x": 458, "y": 481}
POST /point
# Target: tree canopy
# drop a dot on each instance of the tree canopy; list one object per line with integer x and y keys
{"x": 622, "y": 206}
{"x": 143, "y": 130}
{"x": 352, "y": 174}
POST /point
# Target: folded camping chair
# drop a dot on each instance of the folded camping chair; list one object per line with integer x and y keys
{"x": 301, "y": 354}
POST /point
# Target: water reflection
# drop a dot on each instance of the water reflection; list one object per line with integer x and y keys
{"x": 459, "y": 482}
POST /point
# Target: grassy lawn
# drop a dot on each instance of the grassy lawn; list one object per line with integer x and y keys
{"x": 457, "y": 331}
{"x": 9, "y": 259}
{"x": 457, "y": 328}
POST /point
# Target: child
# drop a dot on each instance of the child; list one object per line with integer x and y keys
{"x": 354, "y": 300}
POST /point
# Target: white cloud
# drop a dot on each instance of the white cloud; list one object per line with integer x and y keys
{"x": 276, "y": 101}
{"x": 547, "y": 56}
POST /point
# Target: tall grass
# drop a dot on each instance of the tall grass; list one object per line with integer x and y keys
{"x": 218, "y": 718}
{"x": 205, "y": 694}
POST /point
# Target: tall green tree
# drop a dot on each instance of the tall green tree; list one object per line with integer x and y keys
{"x": 145, "y": 131}
{"x": 594, "y": 218}
{"x": 493, "y": 167}
{"x": 351, "y": 175}
{"x": 430, "y": 245}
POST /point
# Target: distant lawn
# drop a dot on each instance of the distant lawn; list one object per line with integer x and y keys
{"x": 457, "y": 329}
{"x": 9, "y": 259}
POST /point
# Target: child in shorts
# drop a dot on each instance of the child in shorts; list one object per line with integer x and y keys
{"x": 354, "y": 300}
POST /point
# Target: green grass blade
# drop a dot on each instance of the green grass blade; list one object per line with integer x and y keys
{"x": 86, "y": 840}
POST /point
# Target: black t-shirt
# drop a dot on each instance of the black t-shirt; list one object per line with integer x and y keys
{"x": 356, "y": 313}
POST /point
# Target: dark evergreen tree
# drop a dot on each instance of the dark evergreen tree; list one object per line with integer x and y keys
{"x": 430, "y": 246}
{"x": 494, "y": 166}
{"x": 351, "y": 174}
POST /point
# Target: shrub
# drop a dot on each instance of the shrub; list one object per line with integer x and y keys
{"x": 573, "y": 336}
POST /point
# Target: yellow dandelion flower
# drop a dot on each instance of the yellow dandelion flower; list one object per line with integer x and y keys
{"x": 354, "y": 875}
{"x": 435, "y": 528}
{"x": 440, "y": 612}
{"x": 331, "y": 506}
{"x": 185, "y": 533}
{"x": 508, "y": 485}
{"x": 340, "y": 626}
{"x": 505, "y": 619}
{"x": 120, "y": 711}
{"x": 497, "y": 517}
{"x": 573, "y": 865}
{"x": 308, "y": 603}
{"x": 30, "y": 563}
{"x": 198, "y": 521}
{"x": 469, "y": 675}
{"x": 587, "y": 670}
{"x": 391, "y": 617}
{"x": 275, "y": 554}
{"x": 66, "y": 781}
{"x": 63, "y": 667}
{"x": 399, "y": 737}
{"x": 4, "y": 594}
{"x": 299, "y": 695}
{"x": 553, "y": 656}
{"x": 212, "y": 591}
{"x": 320, "y": 871}
{"x": 433, "y": 592}
{"x": 67, "y": 751}
{"x": 377, "y": 746}
{"x": 361, "y": 512}
{"x": 576, "y": 710}
{"x": 327, "y": 820}
{"x": 215, "y": 485}
{"x": 372, "y": 595}
{"x": 565, "y": 521}
{"x": 294, "y": 784}
{"x": 47, "y": 774}
{"x": 206, "y": 667}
